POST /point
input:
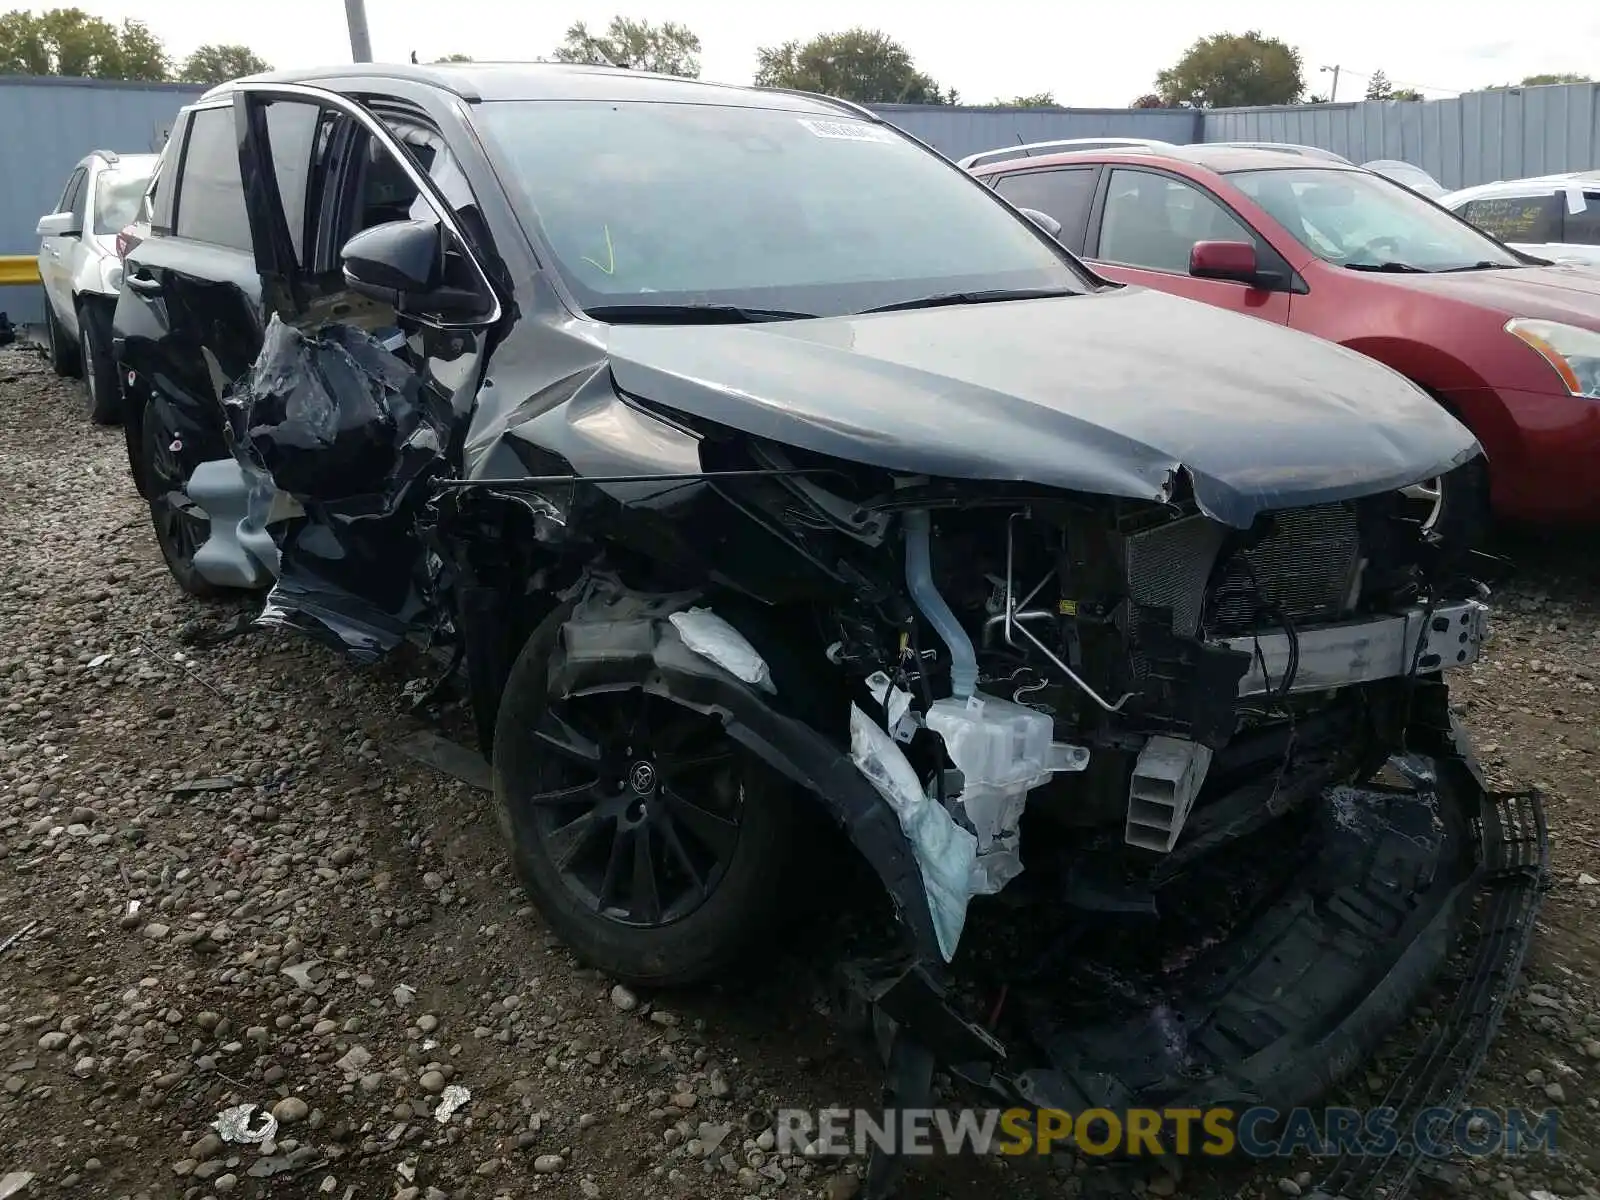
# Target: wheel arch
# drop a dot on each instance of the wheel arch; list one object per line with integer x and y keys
{"x": 616, "y": 637}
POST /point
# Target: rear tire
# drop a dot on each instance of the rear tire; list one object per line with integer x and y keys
{"x": 101, "y": 378}
{"x": 62, "y": 350}
{"x": 178, "y": 533}
{"x": 742, "y": 893}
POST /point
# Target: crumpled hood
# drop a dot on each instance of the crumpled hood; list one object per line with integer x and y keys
{"x": 1112, "y": 393}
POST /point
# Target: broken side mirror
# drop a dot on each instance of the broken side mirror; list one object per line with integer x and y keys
{"x": 1043, "y": 220}
{"x": 61, "y": 224}
{"x": 402, "y": 264}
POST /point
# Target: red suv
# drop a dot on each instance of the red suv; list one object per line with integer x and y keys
{"x": 1508, "y": 343}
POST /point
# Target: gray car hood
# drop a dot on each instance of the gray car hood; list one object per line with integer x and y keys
{"x": 1114, "y": 393}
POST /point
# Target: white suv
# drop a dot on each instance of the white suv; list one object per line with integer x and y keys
{"x": 1551, "y": 216}
{"x": 81, "y": 269}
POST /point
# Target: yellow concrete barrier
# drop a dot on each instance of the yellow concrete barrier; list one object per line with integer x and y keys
{"x": 18, "y": 269}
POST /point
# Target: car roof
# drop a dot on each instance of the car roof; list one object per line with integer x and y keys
{"x": 1295, "y": 148}
{"x": 1057, "y": 146}
{"x": 113, "y": 158}
{"x": 1213, "y": 156}
{"x": 1532, "y": 185}
{"x": 489, "y": 81}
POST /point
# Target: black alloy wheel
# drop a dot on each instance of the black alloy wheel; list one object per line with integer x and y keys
{"x": 641, "y": 810}
{"x": 180, "y": 528}
{"x": 656, "y": 847}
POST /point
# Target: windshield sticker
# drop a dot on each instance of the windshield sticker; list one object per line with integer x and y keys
{"x": 846, "y": 131}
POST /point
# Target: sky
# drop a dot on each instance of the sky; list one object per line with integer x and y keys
{"x": 1087, "y": 54}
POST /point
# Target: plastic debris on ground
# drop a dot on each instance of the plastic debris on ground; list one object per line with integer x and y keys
{"x": 233, "y": 1125}
{"x": 709, "y": 636}
{"x": 452, "y": 1098}
{"x": 945, "y": 852}
{"x": 14, "y": 1183}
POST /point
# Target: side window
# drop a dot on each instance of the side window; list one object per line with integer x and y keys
{"x": 164, "y": 185}
{"x": 1516, "y": 218}
{"x": 210, "y": 194}
{"x": 1064, "y": 194}
{"x": 72, "y": 195}
{"x": 1583, "y": 228}
{"x": 292, "y": 131}
{"x": 1154, "y": 220}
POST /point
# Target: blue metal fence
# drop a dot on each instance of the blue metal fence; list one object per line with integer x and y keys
{"x": 49, "y": 124}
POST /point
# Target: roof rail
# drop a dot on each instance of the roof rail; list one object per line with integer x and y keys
{"x": 110, "y": 156}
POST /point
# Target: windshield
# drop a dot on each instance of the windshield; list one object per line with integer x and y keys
{"x": 117, "y": 196}
{"x": 1359, "y": 220}
{"x": 673, "y": 204}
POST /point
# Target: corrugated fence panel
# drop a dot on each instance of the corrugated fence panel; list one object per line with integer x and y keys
{"x": 956, "y": 131}
{"x": 49, "y": 124}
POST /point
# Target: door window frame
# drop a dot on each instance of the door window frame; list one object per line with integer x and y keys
{"x": 1074, "y": 236}
{"x": 266, "y": 190}
{"x": 1268, "y": 258}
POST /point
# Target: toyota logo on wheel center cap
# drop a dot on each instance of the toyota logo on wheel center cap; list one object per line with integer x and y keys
{"x": 642, "y": 778}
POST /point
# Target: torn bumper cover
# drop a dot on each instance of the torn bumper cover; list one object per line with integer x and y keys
{"x": 1254, "y": 969}
{"x": 1275, "y": 1008}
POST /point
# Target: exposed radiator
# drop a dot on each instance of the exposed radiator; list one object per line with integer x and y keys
{"x": 1306, "y": 568}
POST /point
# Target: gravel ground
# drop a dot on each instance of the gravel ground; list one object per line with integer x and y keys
{"x": 227, "y": 888}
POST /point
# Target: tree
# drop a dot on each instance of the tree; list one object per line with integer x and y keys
{"x": 864, "y": 65}
{"x": 667, "y": 49}
{"x": 1229, "y": 70}
{"x": 1379, "y": 87}
{"x": 1149, "y": 100}
{"x": 68, "y": 41}
{"x": 216, "y": 63}
{"x": 455, "y": 58}
{"x": 1559, "y": 77}
{"x": 1033, "y": 100}
{"x": 1406, "y": 94}
{"x": 1315, "y": 99}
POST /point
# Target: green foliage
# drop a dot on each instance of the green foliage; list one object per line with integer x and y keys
{"x": 666, "y": 49}
{"x": 1229, "y": 70}
{"x": 220, "y": 63}
{"x": 1032, "y": 100}
{"x": 864, "y": 65}
{"x": 68, "y": 41}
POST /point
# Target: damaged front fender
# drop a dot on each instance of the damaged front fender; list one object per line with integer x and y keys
{"x": 615, "y": 638}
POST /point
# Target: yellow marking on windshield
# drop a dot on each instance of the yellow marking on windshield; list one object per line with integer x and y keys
{"x": 610, "y": 265}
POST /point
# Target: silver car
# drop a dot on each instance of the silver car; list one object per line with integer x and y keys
{"x": 81, "y": 269}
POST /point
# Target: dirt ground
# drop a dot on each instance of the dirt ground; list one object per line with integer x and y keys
{"x": 328, "y": 930}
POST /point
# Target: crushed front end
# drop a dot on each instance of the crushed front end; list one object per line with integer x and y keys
{"x": 1194, "y": 823}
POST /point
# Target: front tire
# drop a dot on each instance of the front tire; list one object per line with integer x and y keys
{"x": 1456, "y": 505}
{"x": 100, "y": 375}
{"x": 179, "y": 532}
{"x": 655, "y": 847}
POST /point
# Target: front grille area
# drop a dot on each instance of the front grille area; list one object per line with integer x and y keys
{"x": 1304, "y": 569}
{"x": 1168, "y": 567}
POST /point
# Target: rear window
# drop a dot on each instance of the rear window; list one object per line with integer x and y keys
{"x": 1063, "y": 194}
{"x": 1583, "y": 227}
{"x": 210, "y": 194}
{"x": 117, "y": 194}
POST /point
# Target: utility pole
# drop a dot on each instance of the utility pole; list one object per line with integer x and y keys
{"x": 1333, "y": 92}
{"x": 355, "y": 15}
